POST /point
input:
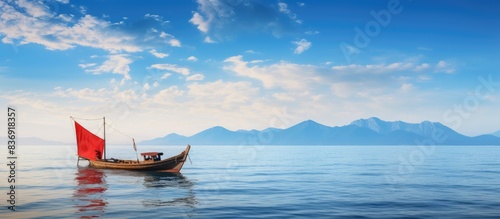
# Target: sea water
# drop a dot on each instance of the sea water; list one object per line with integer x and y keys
{"x": 262, "y": 182}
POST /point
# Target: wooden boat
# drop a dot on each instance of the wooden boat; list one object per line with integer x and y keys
{"x": 154, "y": 163}
{"x": 93, "y": 148}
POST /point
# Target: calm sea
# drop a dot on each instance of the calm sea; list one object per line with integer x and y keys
{"x": 263, "y": 182}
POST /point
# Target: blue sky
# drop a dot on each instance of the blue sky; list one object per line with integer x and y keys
{"x": 157, "y": 67}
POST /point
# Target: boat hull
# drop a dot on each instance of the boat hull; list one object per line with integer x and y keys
{"x": 172, "y": 164}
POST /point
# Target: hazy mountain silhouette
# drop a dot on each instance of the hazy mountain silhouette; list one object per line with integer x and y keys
{"x": 371, "y": 131}
{"x": 497, "y": 133}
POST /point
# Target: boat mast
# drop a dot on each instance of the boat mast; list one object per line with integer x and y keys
{"x": 104, "y": 157}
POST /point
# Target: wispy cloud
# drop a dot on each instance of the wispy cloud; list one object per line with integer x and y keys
{"x": 282, "y": 75}
{"x": 311, "y": 32}
{"x": 87, "y": 65}
{"x": 192, "y": 58}
{"x": 219, "y": 19}
{"x": 158, "y": 54}
{"x": 302, "y": 45}
{"x": 94, "y": 95}
{"x": 166, "y": 75}
{"x": 34, "y": 8}
{"x": 171, "y": 67}
{"x": 195, "y": 77}
{"x": 406, "y": 87}
{"x": 209, "y": 40}
{"x": 88, "y": 31}
{"x": 170, "y": 39}
{"x": 25, "y": 22}
{"x": 422, "y": 67}
{"x": 227, "y": 94}
{"x": 373, "y": 68}
{"x": 446, "y": 67}
{"x": 199, "y": 22}
{"x": 344, "y": 80}
{"x": 117, "y": 64}
{"x": 283, "y": 8}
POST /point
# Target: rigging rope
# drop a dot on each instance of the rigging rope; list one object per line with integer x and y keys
{"x": 133, "y": 140}
{"x": 83, "y": 118}
{"x": 102, "y": 126}
{"x": 119, "y": 131}
{"x": 75, "y": 118}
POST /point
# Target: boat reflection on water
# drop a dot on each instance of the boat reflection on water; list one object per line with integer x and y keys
{"x": 167, "y": 189}
{"x": 91, "y": 185}
{"x": 159, "y": 190}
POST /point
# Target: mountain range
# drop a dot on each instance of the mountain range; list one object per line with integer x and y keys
{"x": 496, "y": 133}
{"x": 371, "y": 131}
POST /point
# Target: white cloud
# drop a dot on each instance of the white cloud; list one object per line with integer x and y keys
{"x": 222, "y": 94}
{"x": 283, "y": 7}
{"x": 199, "y": 22}
{"x": 117, "y": 64}
{"x": 83, "y": 9}
{"x": 222, "y": 19}
{"x": 283, "y": 97}
{"x": 422, "y": 67}
{"x": 284, "y": 75}
{"x": 165, "y": 76}
{"x": 34, "y": 8}
{"x": 170, "y": 39}
{"x": 172, "y": 68}
{"x": 208, "y": 40}
{"x": 218, "y": 100}
{"x": 154, "y": 16}
{"x": 256, "y": 61}
{"x": 443, "y": 66}
{"x": 65, "y": 17}
{"x": 406, "y": 87}
{"x": 26, "y": 22}
{"x": 302, "y": 45}
{"x": 167, "y": 96}
{"x": 94, "y": 95}
{"x": 87, "y": 65}
{"x": 373, "y": 68}
{"x": 174, "y": 42}
{"x": 341, "y": 89}
{"x": 195, "y": 77}
{"x": 340, "y": 81}
{"x": 192, "y": 59}
{"x": 59, "y": 34}
{"x": 312, "y": 32}
{"x": 158, "y": 54}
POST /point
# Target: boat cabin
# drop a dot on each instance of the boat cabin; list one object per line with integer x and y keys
{"x": 152, "y": 156}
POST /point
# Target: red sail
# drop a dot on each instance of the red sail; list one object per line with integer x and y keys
{"x": 90, "y": 146}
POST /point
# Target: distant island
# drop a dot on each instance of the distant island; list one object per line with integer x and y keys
{"x": 371, "y": 131}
